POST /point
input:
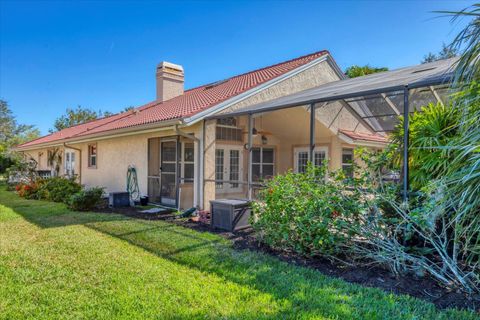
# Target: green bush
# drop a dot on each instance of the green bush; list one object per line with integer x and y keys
{"x": 87, "y": 199}
{"x": 308, "y": 213}
{"x": 58, "y": 189}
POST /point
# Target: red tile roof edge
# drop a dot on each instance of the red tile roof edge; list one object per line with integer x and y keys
{"x": 119, "y": 117}
{"x": 364, "y": 136}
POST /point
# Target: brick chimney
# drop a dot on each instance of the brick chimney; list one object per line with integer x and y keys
{"x": 169, "y": 81}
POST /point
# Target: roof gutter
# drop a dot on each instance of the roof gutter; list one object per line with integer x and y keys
{"x": 167, "y": 125}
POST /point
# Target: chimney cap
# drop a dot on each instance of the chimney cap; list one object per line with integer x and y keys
{"x": 169, "y": 65}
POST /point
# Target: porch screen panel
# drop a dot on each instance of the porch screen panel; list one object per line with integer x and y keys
{"x": 154, "y": 169}
{"x": 234, "y": 167}
{"x": 188, "y": 162}
{"x": 219, "y": 154}
{"x": 154, "y": 157}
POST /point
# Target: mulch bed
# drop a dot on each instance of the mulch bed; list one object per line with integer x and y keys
{"x": 423, "y": 288}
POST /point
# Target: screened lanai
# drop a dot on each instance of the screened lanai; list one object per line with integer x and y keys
{"x": 376, "y": 101}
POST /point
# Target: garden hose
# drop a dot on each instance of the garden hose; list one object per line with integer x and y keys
{"x": 132, "y": 183}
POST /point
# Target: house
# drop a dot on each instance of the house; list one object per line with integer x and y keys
{"x": 186, "y": 148}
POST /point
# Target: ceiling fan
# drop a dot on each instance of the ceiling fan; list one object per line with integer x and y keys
{"x": 256, "y": 131}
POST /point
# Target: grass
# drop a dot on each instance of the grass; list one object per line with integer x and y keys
{"x": 55, "y": 263}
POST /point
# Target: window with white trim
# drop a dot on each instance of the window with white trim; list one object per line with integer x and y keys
{"x": 347, "y": 161}
{"x": 187, "y": 163}
{"x": 263, "y": 163}
{"x": 70, "y": 163}
{"x": 92, "y": 155}
{"x": 227, "y": 129}
{"x": 302, "y": 157}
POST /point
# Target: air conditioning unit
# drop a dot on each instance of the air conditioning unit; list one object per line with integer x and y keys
{"x": 118, "y": 199}
{"x": 230, "y": 214}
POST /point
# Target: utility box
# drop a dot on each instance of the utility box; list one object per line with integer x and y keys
{"x": 230, "y": 214}
{"x": 118, "y": 199}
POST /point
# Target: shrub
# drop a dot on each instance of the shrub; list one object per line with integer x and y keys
{"x": 58, "y": 189}
{"x": 308, "y": 213}
{"x": 86, "y": 199}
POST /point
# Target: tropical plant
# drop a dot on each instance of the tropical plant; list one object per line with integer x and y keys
{"x": 358, "y": 71}
{"x": 87, "y": 199}
{"x": 310, "y": 213}
{"x": 54, "y": 160}
{"x": 467, "y": 42}
{"x": 58, "y": 189}
{"x": 431, "y": 129}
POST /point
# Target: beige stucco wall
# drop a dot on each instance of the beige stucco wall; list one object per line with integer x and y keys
{"x": 309, "y": 78}
{"x": 116, "y": 154}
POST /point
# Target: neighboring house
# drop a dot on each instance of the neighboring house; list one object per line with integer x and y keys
{"x": 187, "y": 152}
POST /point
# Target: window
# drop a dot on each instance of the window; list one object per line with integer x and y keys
{"x": 219, "y": 168}
{"x": 227, "y": 130}
{"x": 188, "y": 159}
{"x": 302, "y": 157}
{"x": 347, "y": 162}
{"x": 263, "y": 163}
{"x": 92, "y": 155}
{"x": 228, "y": 166}
{"x": 70, "y": 163}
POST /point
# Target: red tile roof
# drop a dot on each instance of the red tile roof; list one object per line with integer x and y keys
{"x": 191, "y": 102}
{"x": 364, "y": 136}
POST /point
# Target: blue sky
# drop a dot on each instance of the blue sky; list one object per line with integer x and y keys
{"x": 103, "y": 54}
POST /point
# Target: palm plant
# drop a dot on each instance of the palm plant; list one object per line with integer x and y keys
{"x": 54, "y": 160}
{"x": 468, "y": 66}
{"x": 431, "y": 130}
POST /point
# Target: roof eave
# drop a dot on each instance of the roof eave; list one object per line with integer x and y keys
{"x": 210, "y": 112}
{"x": 362, "y": 142}
{"x": 151, "y": 127}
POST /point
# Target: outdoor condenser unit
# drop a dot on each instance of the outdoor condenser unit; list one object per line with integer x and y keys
{"x": 230, "y": 214}
{"x": 118, "y": 199}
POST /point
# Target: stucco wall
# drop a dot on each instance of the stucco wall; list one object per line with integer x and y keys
{"x": 116, "y": 154}
{"x": 309, "y": 78}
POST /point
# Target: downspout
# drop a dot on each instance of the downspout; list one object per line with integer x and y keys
{"x": 79, "y": 160}
{"x": 192, "y": 137}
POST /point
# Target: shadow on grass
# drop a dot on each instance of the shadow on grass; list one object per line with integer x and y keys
{"x": 303, "y": 292}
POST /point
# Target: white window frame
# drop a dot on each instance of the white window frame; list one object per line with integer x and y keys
{"x": 348, "y": 164}
{"x": 262, "y": 163}
{"x": 183, "y": 162}
{"x": 90, "y": 156}
{"x": 298, "y": 150}
{"x": 226, "y": 186}
{"x": 69, "y": 164}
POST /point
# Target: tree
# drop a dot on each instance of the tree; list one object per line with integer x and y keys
{"x": 358, "y": 71}
{"x": 77, "y": 116}
{"x": 446, "y": 53}
{"x": 12, "y": 134}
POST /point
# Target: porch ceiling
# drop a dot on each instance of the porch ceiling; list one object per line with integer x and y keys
{"x": 376, "y": 98}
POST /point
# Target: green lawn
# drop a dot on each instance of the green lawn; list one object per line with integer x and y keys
{"x": 55, "y": 263}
